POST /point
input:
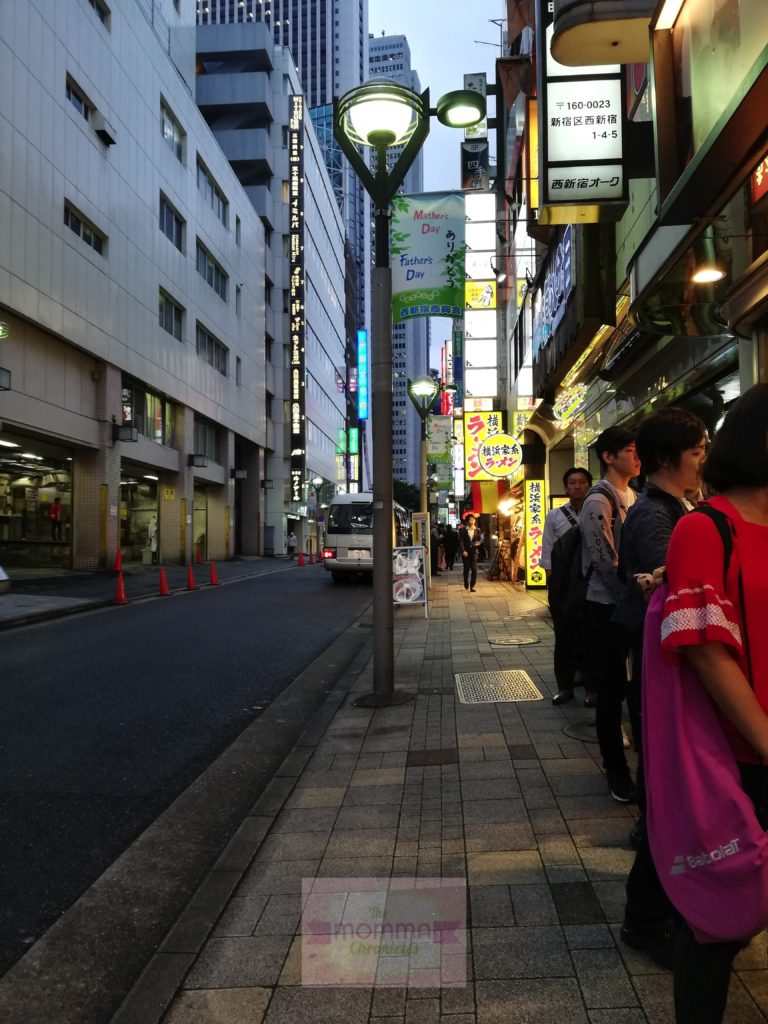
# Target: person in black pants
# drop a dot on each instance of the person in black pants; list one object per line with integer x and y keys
{"x": 470, "y": 539}
{"x": 671, "y": 445}
{"x": 450, "y": 546}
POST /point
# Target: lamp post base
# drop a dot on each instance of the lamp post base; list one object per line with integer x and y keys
{"x": 383, "y": 700}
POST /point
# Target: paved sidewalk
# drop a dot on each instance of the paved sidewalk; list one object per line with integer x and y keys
{"x": 497, "y": 794}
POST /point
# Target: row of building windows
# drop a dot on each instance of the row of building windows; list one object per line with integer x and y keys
{"x": 211, "y": 350}
{"x": 83, "y": 228}
{"x": 212, "y": 271}
{"x": 211, "y": 192}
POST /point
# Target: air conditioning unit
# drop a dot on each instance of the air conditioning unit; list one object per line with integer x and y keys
{"x": 103, "y": 128}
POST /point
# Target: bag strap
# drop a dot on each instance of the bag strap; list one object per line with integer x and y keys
{"x": 608, "y": 493}
{"x": 727, "y": 530}
{"x": 569, "y": 515}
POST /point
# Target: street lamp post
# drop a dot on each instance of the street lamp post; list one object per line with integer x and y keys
{"x": 381, "y": 114}
{"x": 423, "y": 391}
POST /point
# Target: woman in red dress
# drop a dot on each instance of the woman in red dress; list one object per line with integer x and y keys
{"x": 726, "y": 642}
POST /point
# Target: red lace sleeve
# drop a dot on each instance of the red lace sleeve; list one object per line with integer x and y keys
{"x": 698, "y": 610}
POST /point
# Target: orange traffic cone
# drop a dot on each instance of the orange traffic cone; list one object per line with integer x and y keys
{"x": 301, "y": 558}
{"x": 120, "y": 597}
{"x": 118, "y": 566}
{"x": 198, "y": 556}
{"x": 311, "y": 558}
{"x": 214, "y": 577}
{"x": 165, "y": 590}
{"x": 191, "y": 585}
{"x": 320, "y": 555}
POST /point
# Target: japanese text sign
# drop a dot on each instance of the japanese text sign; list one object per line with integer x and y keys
{"x": 478, "y": 427}
{"x": 535, "y": 511}
{"x": 500, "y": 456}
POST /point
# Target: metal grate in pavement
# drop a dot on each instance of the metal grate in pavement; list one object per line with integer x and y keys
{"x": 512, "y": 641}
{"x": 492, "y": 687}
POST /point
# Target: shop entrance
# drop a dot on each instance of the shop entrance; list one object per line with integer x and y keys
{"x": 200, "y": 523}
{"x": 139, "y": 531}
{"x": 35, "y": 503}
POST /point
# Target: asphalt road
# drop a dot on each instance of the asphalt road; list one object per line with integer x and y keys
{"x": 105, "y": 718}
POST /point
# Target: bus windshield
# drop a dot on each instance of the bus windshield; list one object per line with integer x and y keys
{"x": 354, "y": 518}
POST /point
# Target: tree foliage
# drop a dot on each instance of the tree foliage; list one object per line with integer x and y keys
{"x": 407, "y": 495}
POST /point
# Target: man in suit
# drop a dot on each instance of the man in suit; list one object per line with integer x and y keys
{"x": 470, "y": 539}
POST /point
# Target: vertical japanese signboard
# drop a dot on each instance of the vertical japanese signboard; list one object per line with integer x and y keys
{"x": 535, "y": 511}
{"x": 458, "y": 364}
{"x": 427, "y": 255}
{"x": 478, "y": 427}
{"x": 296, "y": 290}
{"x": 581, "y": 146}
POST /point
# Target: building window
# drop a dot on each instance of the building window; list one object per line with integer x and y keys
{"x": 78, "y": 99}
{"x": 211, "y": 271}
{"x": 211, "y": 192}
{"x": 170, "y": 315}
{"x": 237, "y": 230}
{"x": 172, "y": 131}
{"x": 84, "y": 229}
{"x": 238, "y": 370}
{"x": 171, "y": 223}
{"x": 102, "y": 11}
{"x": 151, "y": 414}
{"x": 211, "y": 350}
{"x": 285, "y": 192}
{"x": 206, "y": 439}
{"x": 238, "y": 299}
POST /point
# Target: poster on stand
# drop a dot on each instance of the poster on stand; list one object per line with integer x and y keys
{"x": 409, "y": 585}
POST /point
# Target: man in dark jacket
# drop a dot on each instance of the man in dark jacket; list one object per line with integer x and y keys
{"x": 470, "y": 539}
{"x": 450, "y": 546}
{"x": 671, "y": 445}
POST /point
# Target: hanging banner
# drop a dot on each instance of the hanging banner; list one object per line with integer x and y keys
{"x": 363, "y": 375}
{"x": 478, "y": 427}
{"x": 439, "y": 439}
{"x": 535, "y": 510}
{"x": 480, "y": 295}
{"x": 458, "y": 364}
{"x": 296, "y": 296}
{"x": 474, "y": 165}
{"x": 427, "y": 255}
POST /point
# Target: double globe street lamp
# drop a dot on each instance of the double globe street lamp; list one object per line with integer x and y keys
{"x": 382, "y": 115}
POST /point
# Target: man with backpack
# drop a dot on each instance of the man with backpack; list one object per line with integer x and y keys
{"x": 559, "y": 521}
{"x": 605, "y": 644}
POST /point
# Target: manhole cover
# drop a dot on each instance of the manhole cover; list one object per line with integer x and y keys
{"x": 512, "y": 641}
{"x": 490, "y": 687}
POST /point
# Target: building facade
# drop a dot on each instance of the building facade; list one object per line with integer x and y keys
{"x": 250, "y": 94}
{"x": 131, "y": 298}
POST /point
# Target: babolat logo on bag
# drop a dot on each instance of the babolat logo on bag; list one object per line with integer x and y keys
{"x": 700, "y": 860}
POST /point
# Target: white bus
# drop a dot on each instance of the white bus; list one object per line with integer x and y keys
{"x": 349, "y": 534}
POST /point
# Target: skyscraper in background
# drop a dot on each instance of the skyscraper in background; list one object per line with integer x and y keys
{"x": 390, "y": 57}
{"x": 328, "y": 43}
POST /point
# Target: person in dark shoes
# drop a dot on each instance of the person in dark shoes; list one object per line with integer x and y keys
{"x": 576, "y": 481}
{"x": 605, "y": 645}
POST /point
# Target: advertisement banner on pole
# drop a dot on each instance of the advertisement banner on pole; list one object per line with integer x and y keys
{"x": 439, "y": 438}
{"x": 535, "y": 510}
{"x": 474, "y": 165}
{"x": 427, "y": 255}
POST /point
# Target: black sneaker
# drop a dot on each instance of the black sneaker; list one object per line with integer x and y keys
{"x": 657, "y": 943}
{"x": 622, "y": 787}
{"x": 562, "y": 697}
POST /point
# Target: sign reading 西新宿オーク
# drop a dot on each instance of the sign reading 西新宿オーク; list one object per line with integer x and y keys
{"x": 427, "y": 255}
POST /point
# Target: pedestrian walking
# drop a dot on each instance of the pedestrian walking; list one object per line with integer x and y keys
{"x": 290, "y": 544}
{"x": 715, "y": 621}
{"x": 602, "y": 516}
{"x": 470, "y": 540}
{"x": 435, "y": 553}
{"x": 576, "y": 481}
{"x": 671, "y": 446}
{"x": 450, "y": 546}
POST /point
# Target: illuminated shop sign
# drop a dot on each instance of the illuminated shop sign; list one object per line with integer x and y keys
{"x": 296, "y": 293}
{"x": 535, "y": 510}
{"x": 500, "y": 456}
{"x": 758, "y": 182}
{"x": 458, "y": 363}
{"x": 354, "y": 441}
{"x": 478, "y": 428}
{"x": 580, "y": 114}
{"x": 558, "y": 285}
{"x": 363, "y": 370}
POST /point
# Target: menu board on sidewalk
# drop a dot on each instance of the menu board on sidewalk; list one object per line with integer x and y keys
{"x": 409, "y": 585}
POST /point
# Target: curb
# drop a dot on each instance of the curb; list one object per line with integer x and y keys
{"x": 161, "y": 979}
{"x": 92, "y": 962}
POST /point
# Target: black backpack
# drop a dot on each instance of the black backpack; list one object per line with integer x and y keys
{"x": 567, "y": 583}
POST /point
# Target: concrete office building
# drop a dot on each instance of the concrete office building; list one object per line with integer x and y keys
{"x": 131, "y": 296}
{"x": 250, "y": 94}
{"x": 328, "y": 43}
{"x": 390, "y": 57}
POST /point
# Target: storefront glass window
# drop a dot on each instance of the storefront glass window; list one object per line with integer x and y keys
{"x": 152, "y": 415}
{"x": 35, "y": 504}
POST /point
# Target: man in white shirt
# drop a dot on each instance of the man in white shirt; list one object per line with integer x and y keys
{"x": 605, "y": 644}
{"x": 577, "y": 482}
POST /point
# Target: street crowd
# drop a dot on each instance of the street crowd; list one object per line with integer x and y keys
{"x": 675, "y": 578}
